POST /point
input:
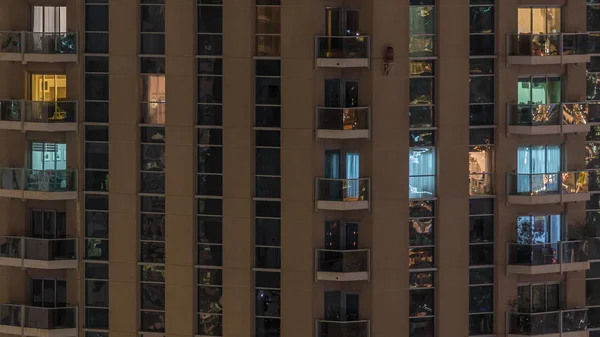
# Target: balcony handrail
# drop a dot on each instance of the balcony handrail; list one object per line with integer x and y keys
{"x": 558, "y": 326}
{"x": 361, "y": 107}
{"x": 556, "y": 117}
{"x": 560, "y": 45}
{"x": 25, "y": 42}
{"x": 559, "y": 184}
{"x": 23, "y": 179}
{"x": 363, "y": 48}
{"x": 47, "y": 253}
{"x": 343, "y": 322}
{"x": 340, "y": 179}
{"x": 32, "y": 111}
{"x": 343, "y": 250}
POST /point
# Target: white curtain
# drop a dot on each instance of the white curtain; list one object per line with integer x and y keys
{"x": 49, "y": 19}
{"x": 421, "y": 171}
{"x": 537, "y": 168}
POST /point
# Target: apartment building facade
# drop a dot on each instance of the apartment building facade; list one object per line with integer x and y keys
{"x": 266, "y": 168}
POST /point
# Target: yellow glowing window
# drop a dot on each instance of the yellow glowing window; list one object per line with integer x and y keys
{"x": 48, "y": 87}
{"x": 539, "y": 20}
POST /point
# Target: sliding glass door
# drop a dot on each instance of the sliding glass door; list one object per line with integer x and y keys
{"x": 538, "y": 169}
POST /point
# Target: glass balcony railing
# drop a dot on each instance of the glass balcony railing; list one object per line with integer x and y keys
{"x": 481, "y": 184}
{"x": 38, "y": 317}
{"x": 343, "y": 328}
{"x": 533, "y": 184}
{"x": 343, "y": 261}
{"x": 38, "y": 249}
{"x": 343, "y": 119}
{"x": 38, "y": 180}
{"x": 343, "y": 47}
{"x": 555, "y": 44}
{"x": 545, "y": 323}
{"x": 548, "y": 114}
{"x": 38, "y": 112}
{"x": 540, "y": 254}
{"x": 329, "y": 189}
{"x": 38, "y": 43}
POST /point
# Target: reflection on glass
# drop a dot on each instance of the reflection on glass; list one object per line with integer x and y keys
{"x": 422, "y": 31}
{"x": 420, "y": 258}
{"x": 421, "y": 170}
{"x": 153, "y": 99}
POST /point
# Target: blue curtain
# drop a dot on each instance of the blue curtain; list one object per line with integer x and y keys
{"x": 352, "y": 174}
{"x": 421, "y": 171}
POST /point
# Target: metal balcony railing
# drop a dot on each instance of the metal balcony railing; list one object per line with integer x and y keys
{"x": 38, "y": 249}
{"x": 554, "y": 44}
{"x": 546, "y": 323}
{"x": 343, "y": 119}
{"x": 329, "y": 189}
{"x": 556, "y": 114}
{"x": 38, "y": 317}
{"x": 343, "y": 47}
{"x": 540, "y": 254}
{"x": 38, "y": 43}
{"x": 568, "y": 182}
{"x": 358, "y": 328}
{"x": 38, "y": 180}
{"x": 342, "y": 261}
{"x": 38, "y": 111}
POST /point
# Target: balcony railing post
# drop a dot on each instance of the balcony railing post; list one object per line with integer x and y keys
{"x": 22, "y": 251}
{"x": 561, "y": 255}
{"x": 560, "y": 322}
{"x": 23, "y": 37}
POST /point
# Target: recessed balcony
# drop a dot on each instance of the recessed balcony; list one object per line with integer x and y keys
{"x": 555, "y": 48}
{"x": 26, "y": 252}
{"x": 565, "y": 323}
{"x": 38, "y": 116}
{"x": 342, "y": 51}
{"x": 23, "y": 320}
{"x": 547, "y": 119}
{"x": 342, "y": 194}
{"x": 343, "y": 328}
{"x": 342, "y": 265}
{"x": 546, "y": 258}
{"x": 38, "y": 47}
{"x": 38, "y": 184}
{"x": 343, "y": 123}
{"x": 547, "y": 188}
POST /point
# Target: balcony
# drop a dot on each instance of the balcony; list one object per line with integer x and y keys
{"x": 342, "y": 51}
{"x": 547, "y": 119}
{"x": 33, "y": 321}
{"x": 342, "y": 265}
{"x": 343, "y": 328}
{"x": 566, "y": 323}
{"x": 558, "y": 48}
{"x": 342, "y": 194}
{"x": 37, "y": 253}
{"x": 38, "y": 185}
{"x": 546, "y": 258}
{"x": 38, "y": 116}
{"x": 343, "y": 123}
{"x": 38, "y": 47}
{"x": 547, "y": 188}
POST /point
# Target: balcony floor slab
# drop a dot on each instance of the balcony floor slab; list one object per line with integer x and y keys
{"x": 343, "y": 205}
{"x": 342, "y": 63}
{"x": 342, "y": 134}
{"x": 342, "y": 277}
{"x": 564, "y": 334}
{"x": 547, "y": 269}
{"x": 548, "y": 60}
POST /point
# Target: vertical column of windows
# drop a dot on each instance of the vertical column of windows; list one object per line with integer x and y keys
{"x": 152, "y": 264}
{"x": 96, "y": 298}
{"x": 481, "y": 267}
{"x": 421, "y": 167}
{"x": 421, "y": 267}
{"x": 267, "y": 170}
{"x": 481, "y": 97}
{"x": 152, "y": 167}
{"x": 209, "y": 168}
{"x": 593, "y": 164}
